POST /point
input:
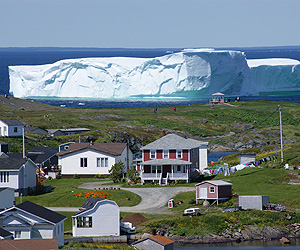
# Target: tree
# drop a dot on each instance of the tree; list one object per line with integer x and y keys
{"x": 116, "y": 171}
{"x": 132, "y": 174}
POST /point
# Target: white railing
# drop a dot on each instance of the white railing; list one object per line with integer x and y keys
{"x": 151, "y": 176}
{"x": 177, "y": 176}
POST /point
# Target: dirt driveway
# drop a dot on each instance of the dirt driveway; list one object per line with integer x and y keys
{"x": 153, "y": 199}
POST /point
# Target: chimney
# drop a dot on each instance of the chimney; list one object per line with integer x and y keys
{"x": 163, "y": 132}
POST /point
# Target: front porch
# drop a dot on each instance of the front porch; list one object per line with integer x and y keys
{"x": 163, "y": 174}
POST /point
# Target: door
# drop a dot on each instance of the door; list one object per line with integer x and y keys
{"x": 202, "y": 192}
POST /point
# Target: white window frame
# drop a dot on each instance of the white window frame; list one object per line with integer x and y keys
{"x": 152, "y": 153}
{"x": 102, "y": 162}
{"x": 83, "y": 162}
{"x": 212, "y": 189}
{"x": 179, "y": 153}
{"x": 18, "y": 234}
{"x": 165, "y": 154}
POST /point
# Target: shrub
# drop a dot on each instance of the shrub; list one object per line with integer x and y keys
{"x": 58, "y": 176}
{"x": 75, "y": 176}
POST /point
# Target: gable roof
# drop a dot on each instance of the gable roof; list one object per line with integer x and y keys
{"x": 40, "y": 154}
{"x": 12, "y": 163}
{"x": 159, "y": 239}
{"x": 12, "y": 122}
{"x": 41, "y": 212}
{"x": 173, "y": 141}
{"x": 216, "y": 183}
{"x": 114, "y": 149}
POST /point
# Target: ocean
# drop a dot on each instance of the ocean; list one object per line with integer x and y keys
{"x": 37, "y": 56}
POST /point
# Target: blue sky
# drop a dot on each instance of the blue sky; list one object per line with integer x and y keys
{"x": 149, "y": 23}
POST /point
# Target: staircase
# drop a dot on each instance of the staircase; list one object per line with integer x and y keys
{"x": 164, "y": 181}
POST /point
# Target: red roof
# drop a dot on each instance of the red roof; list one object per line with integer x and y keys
{"x": 32, "y": 244}
{"x": 161, "y": 240}
{"x": 108, "y": 148}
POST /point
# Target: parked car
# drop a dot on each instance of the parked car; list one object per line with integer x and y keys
{"x": 192, "y": 212}
{"x": 127, "y": 227}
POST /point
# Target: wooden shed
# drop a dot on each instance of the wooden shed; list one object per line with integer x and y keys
{"x": 213, "y": 190}
{"x": 154, "y": 243}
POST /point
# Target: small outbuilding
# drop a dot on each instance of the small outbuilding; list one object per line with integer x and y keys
{"x": 217, "y": 98}
{"x": 253, "y": 201}
{"x": 98, "y": 217}
{"x": 213, "y": 190}
{"x": 155, "y": 242}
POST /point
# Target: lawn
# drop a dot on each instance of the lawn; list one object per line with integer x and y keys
{"x": 64, "y": 194}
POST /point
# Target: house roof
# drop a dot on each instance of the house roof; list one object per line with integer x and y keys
{"x": 4, "y": 233}
{"x": 40, "y": 154}
{"x": 41, "y": 212}
{"x": 12, "y": 122}
{"x": 172, "y": 141}
{"x": 108, "y": 148}
{"x": 2, "y": 189}
{"x": 216, "y": 183}
{"x": 3, "y": 142}
{"x": 12, "y": 163}
{"x": 218, "y": 93}
{"x": 32, "y": 244}
{"x": 31, "y": 128}
{"x": 90, "y": 202}
{"x": 159, "y": 239}
{"x": 166, "y": 162}
{"x": 74, "y": 129}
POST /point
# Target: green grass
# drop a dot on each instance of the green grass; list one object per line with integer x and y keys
{"x": 63, "y": 194}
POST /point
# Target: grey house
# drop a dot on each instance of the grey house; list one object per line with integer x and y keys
{"x": 154, "y": 243}
{"x": 11, "y": 128}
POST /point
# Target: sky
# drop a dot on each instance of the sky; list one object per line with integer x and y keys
{"x": 149, "y": 23}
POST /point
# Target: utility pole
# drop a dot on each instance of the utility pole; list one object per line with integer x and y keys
{"x": 281, "y": 144}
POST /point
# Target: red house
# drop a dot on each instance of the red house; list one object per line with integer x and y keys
{"x": 171, "y": 158}
{"x": 213, "y": 190}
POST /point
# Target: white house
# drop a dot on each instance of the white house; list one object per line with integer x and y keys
{"x": 172, "y": 158}
{"x": 31, "y": 221}
{"x": 7, "y": 198}
{"x": 99, "y": 217}
{"x": 11, "y": 128}
{"x": 18, "y": 174}
{"x": 87, "y": 160}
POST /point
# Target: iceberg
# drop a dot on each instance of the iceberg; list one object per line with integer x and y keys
{"x": 189, "y": 73}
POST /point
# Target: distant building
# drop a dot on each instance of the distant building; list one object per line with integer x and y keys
{"x": 98, "y": 217}
{"x": 35, "y": 130}
{"x": 154, "y": 243}
{"x": 213, "y": 190}
{"x": 28, "y": 220}
{"x": 87, "y": 160}
{"x": 253, "y": 201}
{"x": 11, "y": 128}
{"x": 171, "y": 158}
{"x": 67, "y": 131}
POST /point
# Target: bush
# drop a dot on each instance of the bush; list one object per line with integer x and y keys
{"x": 75, "y": 176}
{"x": 58, "y": 176}
{"x": 50, "y": 178}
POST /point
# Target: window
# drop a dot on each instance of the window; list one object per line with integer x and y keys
{"x": 155, "y": 169}
{"x": 102, "y": 162}
{"x": 4, "y": 176}
{"x": 15, "y": 129}
{"x": 152, "y": 154}
{"x": 17, "y": 234}
{"x": 211, "y": 189}
{"x": 179, "y": 154}
{"x": 84, "y": 221}
{"x": 83, "y": 162}
{"x": 166, "y": 153}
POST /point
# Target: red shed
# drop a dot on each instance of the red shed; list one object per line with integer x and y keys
{"x": 213, "y": 190}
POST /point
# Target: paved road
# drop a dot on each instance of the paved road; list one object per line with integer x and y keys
{"x": 153, "y": 199}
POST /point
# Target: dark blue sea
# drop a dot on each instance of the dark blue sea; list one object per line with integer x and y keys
{"x": 37, "y": 56}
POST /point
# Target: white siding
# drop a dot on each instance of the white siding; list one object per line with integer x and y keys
{"x": 13, "y": 180}
{"x": 203, "y": 157}
{"x": 3, "y": 132}
{"x": 70, "y": 163}
{"x": 105, "y": 220}
{"x": 123, "y": 158}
